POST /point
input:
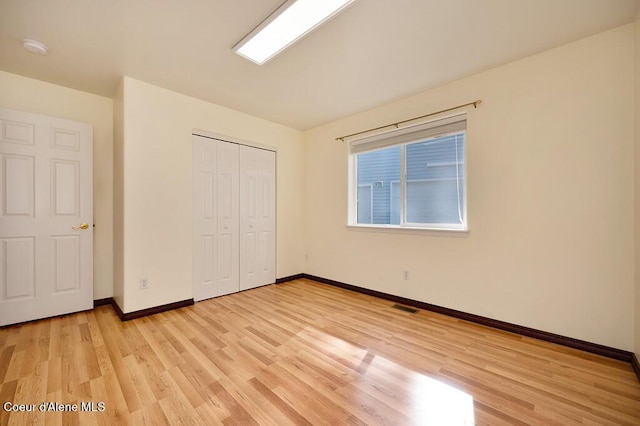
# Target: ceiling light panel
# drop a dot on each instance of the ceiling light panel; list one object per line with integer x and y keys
{"x": 292, "y": 21}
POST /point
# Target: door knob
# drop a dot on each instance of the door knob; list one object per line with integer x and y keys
{"x": 81, "y": 226}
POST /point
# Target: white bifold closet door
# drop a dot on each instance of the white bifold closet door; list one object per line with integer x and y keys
{"x": 234, "y": 217}
{"x": 257, "y": 217}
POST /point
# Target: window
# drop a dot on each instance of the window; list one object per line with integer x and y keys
{"x": 413, "y": 177}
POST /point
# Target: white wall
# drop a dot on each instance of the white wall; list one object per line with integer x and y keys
{"x": 550, "y": 197}
{"x": 157, "y": 218}
{"x": 26, "y": 94}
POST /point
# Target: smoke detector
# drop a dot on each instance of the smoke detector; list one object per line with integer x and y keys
{"x": 34, "y": 47}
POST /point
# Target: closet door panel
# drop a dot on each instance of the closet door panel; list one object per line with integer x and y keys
{"x": 205, "y": 214}
{"x": 249, "y": 175}
{"x": 266, "y": 217}
{"x": 228, "y": 218}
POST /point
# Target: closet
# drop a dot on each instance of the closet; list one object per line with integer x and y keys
{"x": 233, "y": 217}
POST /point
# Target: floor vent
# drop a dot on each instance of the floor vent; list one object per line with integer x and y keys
{"x": 405, "y": 308}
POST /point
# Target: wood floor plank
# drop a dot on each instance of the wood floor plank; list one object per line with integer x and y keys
{"x": 302, "y": 353}
{"x": 5, "y": 359}
{"x": 7, "y": 394}
{"x": 15, "y": 366}
{"x": 141, "y": 386}
{"x": 116, "y": 406}
{"x": 237, "y": 413}
{"x": 176, "y": 406}
{"x": 194, "y": 397}
{"x": 151, "y": 415}
{"x": 291, "y": 415}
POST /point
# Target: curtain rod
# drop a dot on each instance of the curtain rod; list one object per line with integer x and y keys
{"x": 397, "y": 123}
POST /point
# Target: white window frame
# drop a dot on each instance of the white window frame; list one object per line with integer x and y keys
{"x": 405, "y": 136}
{"x": 370, "y": 186}
{"x": 391, "y": 191}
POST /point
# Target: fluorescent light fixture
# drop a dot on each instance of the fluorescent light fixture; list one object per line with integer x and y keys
{"x": 292, "y": 21}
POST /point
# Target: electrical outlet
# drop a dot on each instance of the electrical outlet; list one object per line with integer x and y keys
{"x": 405, "y": 275}
{"x": 144, "y": 283}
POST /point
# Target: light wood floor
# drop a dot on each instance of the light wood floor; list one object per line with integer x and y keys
{"x": 304, "y": 353}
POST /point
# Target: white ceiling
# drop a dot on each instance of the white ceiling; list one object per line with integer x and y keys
{"x": 374, "y": 52}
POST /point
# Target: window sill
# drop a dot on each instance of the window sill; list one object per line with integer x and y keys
{"x": 437, "y": 232}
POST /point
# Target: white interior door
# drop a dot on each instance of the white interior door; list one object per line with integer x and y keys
{"x": 205, "y": 214}
{"x": 46, "y": 194}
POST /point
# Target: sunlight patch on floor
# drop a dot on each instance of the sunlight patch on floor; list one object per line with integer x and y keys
{"x": 436, "y": 403}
